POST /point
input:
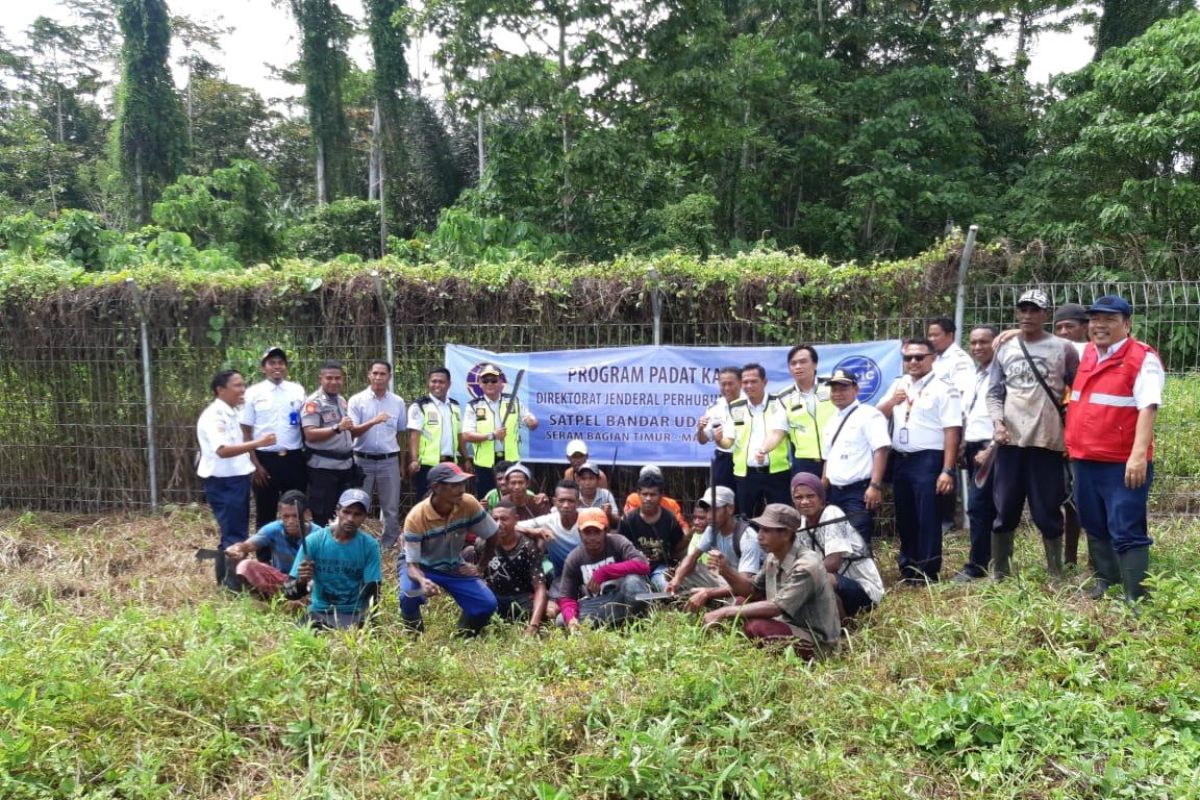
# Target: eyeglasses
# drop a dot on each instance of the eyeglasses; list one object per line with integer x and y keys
{"x": 915, "y": 357}
{"x": 489, "y": 380}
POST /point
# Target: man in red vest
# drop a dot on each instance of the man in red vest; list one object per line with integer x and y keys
{"x": 1110, "y": 437}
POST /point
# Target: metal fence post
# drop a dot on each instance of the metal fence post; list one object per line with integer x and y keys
{"x": 960, "y": 302}
{"x": 655, "y": 304}
{"x": 148, "y": 391}
{"x": 387, "y": 329}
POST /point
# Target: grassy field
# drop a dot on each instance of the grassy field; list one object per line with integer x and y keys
{"x": 123, "y": 674}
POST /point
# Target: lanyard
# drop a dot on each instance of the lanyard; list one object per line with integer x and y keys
{"x": 978, "y": 385}
{"x": 845, "y": 419}
{"x": 909, "y": 401}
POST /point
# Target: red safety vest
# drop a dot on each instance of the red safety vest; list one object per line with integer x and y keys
{"x": 1102, "y": 415}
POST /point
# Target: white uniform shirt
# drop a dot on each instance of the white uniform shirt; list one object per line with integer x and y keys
{"x": 841, "y": 537}
{"x": 1147, "y": 386}
{"x": 768, "y": 415}
{"x": 381, "y": 438}
{"x": 979, "y": 426}
{"x": 218, "y": 425}
{"x": 718, "y": 412}
{"x": 267, "y": 409}
{"x": 850, "y": 458}
{"x": 918, "y": 423}
{"x": 955, "y": 366}
{"x": 416, "y": 422}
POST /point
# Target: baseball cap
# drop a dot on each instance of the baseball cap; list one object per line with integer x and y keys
{"x": 592, "y": 518}
{"x": 724, "y": 497}
{"x": 650, "y": 469}
{"x": 489, "y": 369}
{"x": 1111, "y": 304}
{"x": 521, "y": 468}
{"x": 352, "y": 496}
{"x": 843, "y": 377}
{"x": 778, "y": 515}
{"x": 1034, "y": 297}
{"x": 447, "y": 473}
{"x": 587, "y": 466}
{"x": 1070, "y": 311}
{"x": 274, "y": 350}
{"x": 576, "y": 446}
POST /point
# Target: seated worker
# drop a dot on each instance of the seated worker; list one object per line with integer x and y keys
{"x": 654, "y": 531}
{"x": 528, "y": 505}
{"x": 435, "y": 532}
{"x": 577, "y": 454}
{"x": 339, "y": 567}
{"x": 511, "y": 566}
{"x": 281, "y": 538}
{"x": 603, "y": 576}
{"x": 587, "y": 475}
{"x": 634, "y": 500}
{"x": 492, "y": 498}
{"x": 790, "y": 599}
{"x": 732, "y": 546}
{"x": 557, "y": 531}
{"x": 852, "y": 570}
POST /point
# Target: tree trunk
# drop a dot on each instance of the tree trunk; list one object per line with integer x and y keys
{"x": 373, "y": 160}
{"x": 139, "y": 187}
{"x": 563, "y": 86}
{"x": 322, "y": 191}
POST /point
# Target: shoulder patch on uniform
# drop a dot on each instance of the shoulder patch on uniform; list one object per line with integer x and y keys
{"x": 310, "y": 407}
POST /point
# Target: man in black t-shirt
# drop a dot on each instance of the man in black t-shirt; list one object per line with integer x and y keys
{"x": 654, "y": 532}
{"x": 511, "y": 565}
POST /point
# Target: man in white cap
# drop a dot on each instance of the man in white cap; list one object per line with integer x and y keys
{"x": 273, "y": 406}
{"x": 492, "y": 426}
{"x": 1029, "y": 376}
{"x": 856, "y": 452}
{"x": 339, "y": 567}
{"x": 577, "y": 454}
{"x": 730, "y": 544}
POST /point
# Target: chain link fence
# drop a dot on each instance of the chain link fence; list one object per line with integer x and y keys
{"x": 74, "y": 428}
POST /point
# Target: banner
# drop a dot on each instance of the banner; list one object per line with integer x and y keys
{"x": 639, "y": 405}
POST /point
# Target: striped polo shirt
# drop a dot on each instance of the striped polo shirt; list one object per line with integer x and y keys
{"x": 436, "y": 542}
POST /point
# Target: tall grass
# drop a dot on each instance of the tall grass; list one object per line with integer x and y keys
{"x": 123, "y": 674}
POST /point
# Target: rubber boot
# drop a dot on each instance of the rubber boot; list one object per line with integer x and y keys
{"x": 219, "y": 567}
{"x": 413, "y": 624}
{"x": 1134, "y": 564}
{"x": 1108, "y": 571}
{"x": 1054, "y": 556}
{"x": 469, "y": 627}
{"x": 1002, "y": 551}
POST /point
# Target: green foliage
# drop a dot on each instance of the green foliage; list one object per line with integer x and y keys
{"x": 227, "y": 209}
{"x": 343, "y": 227}
{"x": 465, "y": 239}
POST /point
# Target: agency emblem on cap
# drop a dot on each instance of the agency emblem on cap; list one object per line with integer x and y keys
{"x": 843, "y": 377}
{"x": 271, "y": 351}
{"x": 1111, "y": 304}
{"x": 489, "y": 369}
{"x": 592, "y": 518}
{"x": 352, "y": 496}
{"x": 577, "y": 447}
{"x": 1034, "y": 297}
{"x": 447, "y": 473}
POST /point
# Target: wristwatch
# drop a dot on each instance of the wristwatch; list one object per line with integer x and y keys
{"x": 948, "y": 471}
{"x": 875, "y": 486}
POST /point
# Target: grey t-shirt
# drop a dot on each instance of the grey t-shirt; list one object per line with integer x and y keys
{"x": 1016, "y": 396}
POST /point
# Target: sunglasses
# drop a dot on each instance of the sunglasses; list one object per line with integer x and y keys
{"x": 489, "y": 380}
{"x": 921, "y": 357}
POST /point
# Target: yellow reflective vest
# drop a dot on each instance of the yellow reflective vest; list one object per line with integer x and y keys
{"x": 431, "y": 433}
{"x": 804, "y": 430}
{"x": 485, "y": 422}
{"x": 743, "y": 421}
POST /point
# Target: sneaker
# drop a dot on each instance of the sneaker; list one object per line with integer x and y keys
{"x": 963, "y": 576}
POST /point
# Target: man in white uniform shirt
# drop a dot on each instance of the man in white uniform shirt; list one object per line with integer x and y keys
{"x": 926, "y": 414}
{"x": 273, "y": 406}
{"x": 856, "y": 451}
{"x": 761, "y": 475}
{"x": 977, "y": 436}
{"x": 225, "y": 464}
{"x": 378, "y": 417}
{"x": 708, "y": 427}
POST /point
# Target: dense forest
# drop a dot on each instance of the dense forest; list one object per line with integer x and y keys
{"x": 579, "y": 130}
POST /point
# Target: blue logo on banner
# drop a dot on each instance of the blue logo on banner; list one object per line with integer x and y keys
{"x": 473, "y": 380}
{"x": 868, "y": 373}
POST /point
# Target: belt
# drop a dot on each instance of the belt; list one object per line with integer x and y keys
{"x": 376, "y": 456}
{"x": 915, "y": 453}
{"x": 279, "y": 453}
{"x": 760, "y": 469}
{"x": 724, "y": 454}
{"x": 852, "y": 484}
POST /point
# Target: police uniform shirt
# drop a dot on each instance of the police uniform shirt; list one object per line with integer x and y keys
{"x": 1148, "y": 385}
{"x": 956, "y": 367}
{"x": 851, "y": 457}
{"x": 268, "y": 408}
{"x": 217, "y": 426}
{"x": 919, "y": 422}
{"x": 718, "y": 412}
{"x": 322, "y": 411}
{"x": 381, "y": 438}
{"x": 416, "y": 422}
{"x": 979, "y": 427}
{"x": 768, "y": 415}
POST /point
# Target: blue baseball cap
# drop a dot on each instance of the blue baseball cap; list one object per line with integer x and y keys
{"x": 355, "y": 496}
{"x": 1111, "y": 304}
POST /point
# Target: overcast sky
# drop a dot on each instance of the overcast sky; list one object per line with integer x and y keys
{"x": 266, "y": 34}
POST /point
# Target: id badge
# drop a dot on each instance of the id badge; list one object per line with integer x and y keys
{"x": 902, "y": 437}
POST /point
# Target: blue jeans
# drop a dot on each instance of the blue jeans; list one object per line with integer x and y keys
{"x": 472, "y": 594}
{"x": 918, "y": 515}
{"x": 981, "y": 513}
{"x": 1107, "y": 509}
{"x": 229, "y": 499}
